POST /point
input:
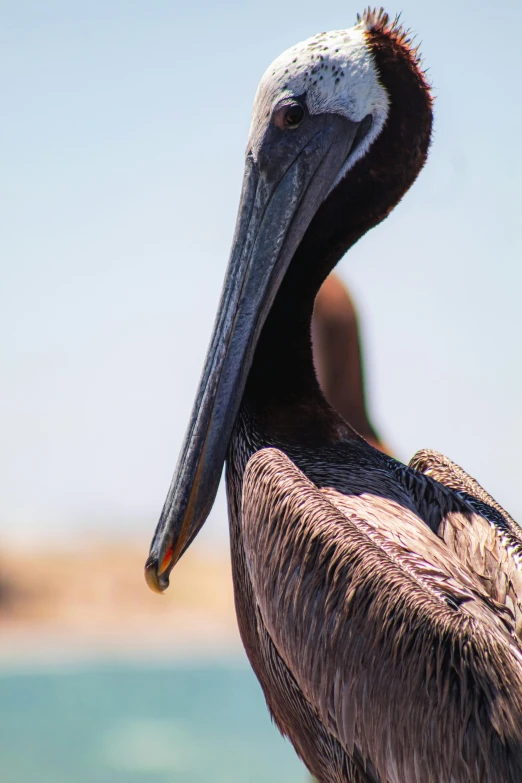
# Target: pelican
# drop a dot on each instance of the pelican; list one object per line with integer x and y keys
{"x": 379, "y": 604}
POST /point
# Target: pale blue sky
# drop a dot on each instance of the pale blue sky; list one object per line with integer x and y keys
{"x": 121, "y": 152}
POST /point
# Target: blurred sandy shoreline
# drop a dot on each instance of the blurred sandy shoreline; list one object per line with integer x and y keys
{"x": 90, "y": 602}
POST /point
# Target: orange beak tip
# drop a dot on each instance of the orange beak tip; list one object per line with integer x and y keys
{"x": 166, "y": 561}
{"x": 153, "y": 577}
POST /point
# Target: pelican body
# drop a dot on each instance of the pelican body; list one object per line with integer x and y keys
{"x": 378, "y": 603}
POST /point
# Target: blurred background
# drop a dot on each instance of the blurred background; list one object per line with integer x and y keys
{"x": 122, "y": 138}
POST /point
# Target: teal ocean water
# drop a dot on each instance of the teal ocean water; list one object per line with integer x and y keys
{"x": 204, "y": 723}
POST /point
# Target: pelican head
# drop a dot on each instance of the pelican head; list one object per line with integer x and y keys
{"x": 320, "y": 110}
{"x": 328, "y": 81}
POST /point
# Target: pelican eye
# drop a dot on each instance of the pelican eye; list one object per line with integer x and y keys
{"x": 289, "y": 116}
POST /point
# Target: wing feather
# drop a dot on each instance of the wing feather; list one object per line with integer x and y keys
{"x": 448, "y": 473}
{"x": 475, "y": 527}
{"x": 402, "y": 654}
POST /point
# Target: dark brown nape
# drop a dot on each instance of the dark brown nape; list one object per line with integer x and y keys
{"x": 338, "y": 357}
{"x": 282, "y": 370}
{"x": 379, "y": 180}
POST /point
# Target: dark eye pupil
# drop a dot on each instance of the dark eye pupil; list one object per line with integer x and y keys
{"x": 293, "y": 116}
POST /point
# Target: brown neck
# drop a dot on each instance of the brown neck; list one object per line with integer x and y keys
{"x": 282, "y": 380}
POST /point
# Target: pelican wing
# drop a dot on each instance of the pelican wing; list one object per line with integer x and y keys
{"x": 446, "y": 472}
{"x": 483, "y": 536}
{"x": 400, "y": 651}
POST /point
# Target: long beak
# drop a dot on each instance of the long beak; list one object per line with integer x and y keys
{"x": 274, "y": 212}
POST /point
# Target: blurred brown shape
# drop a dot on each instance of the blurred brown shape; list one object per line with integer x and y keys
{"x": 338, "y": 357}
{"x": 90, "y": 599}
